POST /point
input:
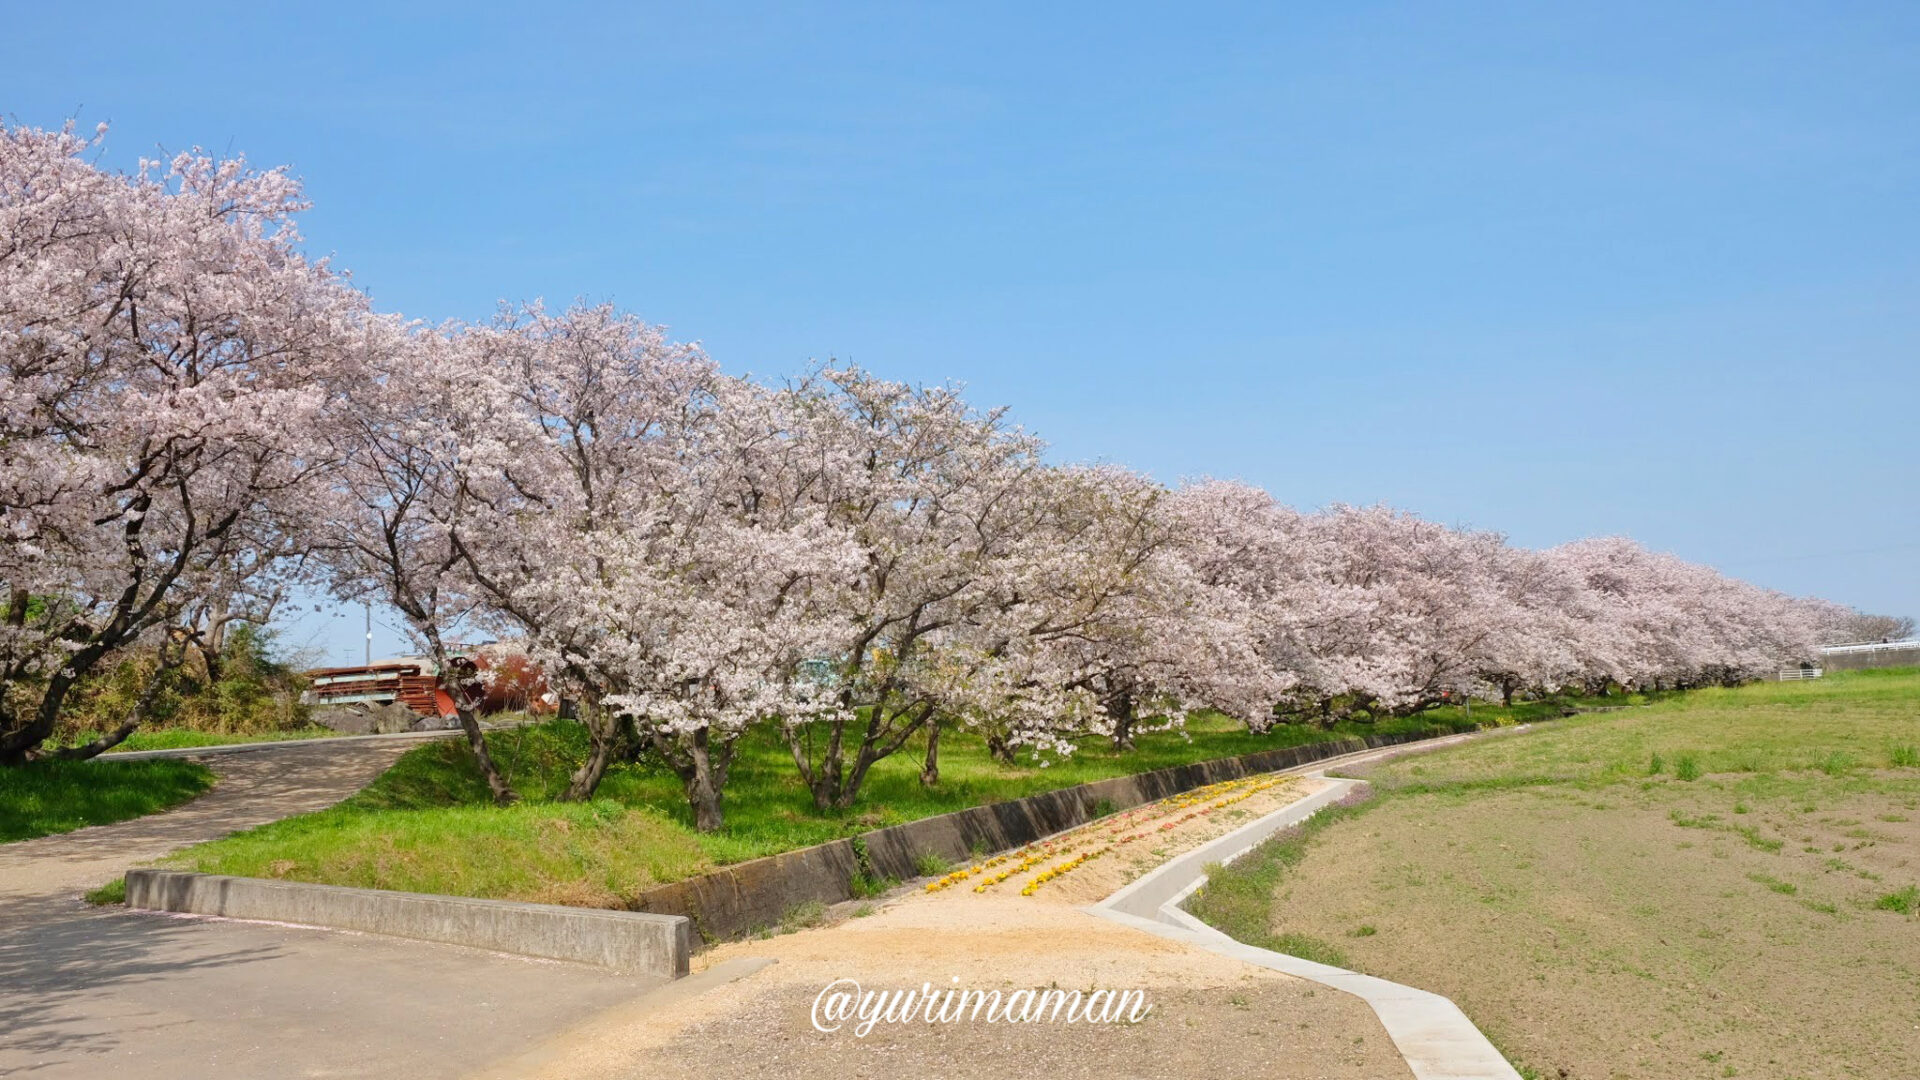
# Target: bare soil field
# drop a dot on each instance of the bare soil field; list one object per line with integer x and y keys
{"x": 1748, "y": 909}
{"x": 1212, "y": 1016}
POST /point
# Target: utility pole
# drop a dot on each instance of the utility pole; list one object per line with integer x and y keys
{"x": 369, "y": 607}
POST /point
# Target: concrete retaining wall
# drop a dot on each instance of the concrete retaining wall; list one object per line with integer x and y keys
{"x": 749, "y": 896}
{"x": 645, "y": 944}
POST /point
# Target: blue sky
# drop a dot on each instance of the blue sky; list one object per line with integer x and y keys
{"x": 1554, "y": 270}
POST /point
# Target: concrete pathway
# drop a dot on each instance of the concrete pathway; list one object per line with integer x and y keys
{"x": 97, "y": 992}
{"x": 1436, "y": 1039}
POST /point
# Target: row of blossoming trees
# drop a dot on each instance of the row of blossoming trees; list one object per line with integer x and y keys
{"x": 195, "y": 414}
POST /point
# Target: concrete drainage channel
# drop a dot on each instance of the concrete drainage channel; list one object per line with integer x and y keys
{"x": 1431, "y": 1033}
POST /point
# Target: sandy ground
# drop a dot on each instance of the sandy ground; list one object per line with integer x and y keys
{"x": 1212, "y": 1016}
{"x": 1627, "y": 932}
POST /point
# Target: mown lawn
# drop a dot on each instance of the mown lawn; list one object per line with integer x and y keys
{"x": 46, "y": 797}
{"x": 1722, "y": 884}
{"x": 426, "y": 825}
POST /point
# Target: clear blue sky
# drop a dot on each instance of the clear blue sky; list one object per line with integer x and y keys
{"x": 1635, "y": 268}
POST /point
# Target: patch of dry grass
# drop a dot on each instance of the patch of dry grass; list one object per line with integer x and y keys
{"x": 1598, "y": 922}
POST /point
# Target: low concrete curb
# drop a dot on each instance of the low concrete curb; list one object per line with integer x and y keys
{"x": 627, "y": 941}
{"x": 1431, "y": 1033}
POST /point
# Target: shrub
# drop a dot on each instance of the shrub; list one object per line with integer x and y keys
{"x": 251, "y": 691}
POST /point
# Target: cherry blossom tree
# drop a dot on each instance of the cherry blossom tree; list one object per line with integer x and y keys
{"x": 193, "y": 414}
{"x": 631, "y": 516}
{"x": 167, "y": 354}
{"x": 1842, "y": 625}
{"x": 1052, "y": 655}
{"x": 934, "y": 500}
{"x": 1552, "y": 634}
{"x": 1679, "y": 624}
{"x": 1122, "y": 620}
{"x": 420, "y": 426}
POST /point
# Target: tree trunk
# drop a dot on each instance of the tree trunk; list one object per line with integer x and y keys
{"x": 930, "y": 769}
{"x": 705, "y": 800}
{"x": 1121, "y": 709}
{"x": 134, "y": 716}
{"x": 704, "y": 782}
{"x": 461, "y": 680}
{"x": 1000, "y": 750}
{"x": 503, "y": 793}
{"x": 823, "y": 779}
{"x": 19, "y": 741}
{"x": 212, "y": 645}
{"x": 1506, "y": 693}
{"x": 602, "y": 740}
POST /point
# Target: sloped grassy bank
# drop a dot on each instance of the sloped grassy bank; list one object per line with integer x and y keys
{"x": 45, "y": 797}
{"x": 427, "y": 826}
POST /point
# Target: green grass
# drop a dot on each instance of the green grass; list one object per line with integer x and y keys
{"x": 45, "y": 797}
{"x": 1238, "y": 900}
{"x": 184, "y": 738}
{"x": 1906, "y": 901}
{"x": 1773, "y": 732}
{"x": 113, "y": 892}
{"x": 426, "y": 825}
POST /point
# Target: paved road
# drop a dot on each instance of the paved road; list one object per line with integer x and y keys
{"x": 90, "y": 992}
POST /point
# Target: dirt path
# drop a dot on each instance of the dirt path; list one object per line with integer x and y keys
{"x": 1212, "y": 1017}
{"x": 254, "y": 787}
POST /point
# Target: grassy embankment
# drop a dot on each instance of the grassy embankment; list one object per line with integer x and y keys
{"x": 46, "y": 797}
{"x": 188, "y": 738}
{"x": 1724, "y": 884}
{"x": 426, "y": 825}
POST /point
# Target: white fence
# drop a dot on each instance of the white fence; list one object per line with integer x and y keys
{"x": 1870, "y": 647}
{"x": 1792, "y": 673}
